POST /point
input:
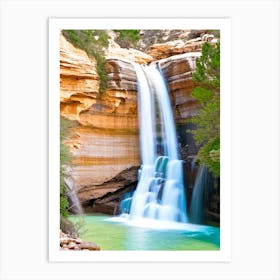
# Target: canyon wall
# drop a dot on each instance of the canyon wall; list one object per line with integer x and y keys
{"x": 104, "y": 145}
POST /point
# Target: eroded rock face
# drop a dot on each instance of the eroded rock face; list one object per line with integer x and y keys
{"x": 105, "y": 143}
{"x": 79, "y": 87}
{"x": 98, "y": 155}
{"x": 170, "y": 48}
{"x": 115, "y": 51}
{"x": 117, "y": 108}
{"x": 178, "y": 71}
{"x": 79, "y": 82}
{"x": 109, "y": 201}
{"x": 121, "y": 74}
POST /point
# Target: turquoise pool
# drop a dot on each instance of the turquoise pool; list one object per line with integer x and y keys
{"x": 120, "y": 233}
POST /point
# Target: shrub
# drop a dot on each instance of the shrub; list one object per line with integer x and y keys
{"x": 65, "y": 158}
{"x": 128, "y": 38}
{"x": 93, "y": 43}
{"x": 207, "y": 93}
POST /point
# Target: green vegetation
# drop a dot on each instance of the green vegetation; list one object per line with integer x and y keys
{"x": 207, "y": 92}
{"x": 128, "y": 38}
{"x": 93, "y": 42}
{"x": 65, "y": 159}
{"x": 67, "y": 226}
{"x": 80, "y": 226}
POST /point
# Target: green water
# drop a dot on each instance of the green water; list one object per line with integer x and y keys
{"x": 115, "y": 233}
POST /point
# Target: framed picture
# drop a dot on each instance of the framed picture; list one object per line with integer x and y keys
{"x": 139, "y": 139}
{"x": 55, "y": 101}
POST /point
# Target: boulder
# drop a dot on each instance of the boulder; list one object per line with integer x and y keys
{"x": 91, "y": 246}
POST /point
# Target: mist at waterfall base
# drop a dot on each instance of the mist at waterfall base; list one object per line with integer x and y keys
{"x": 116, "y": 233}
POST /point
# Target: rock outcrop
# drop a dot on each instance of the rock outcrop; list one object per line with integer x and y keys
{"x": 117, "y": 107}
{"x": 170, "y": 48}
{"x": 178, "y": 71}
{"x": 115, "y": 51}
{"x": 79, "y": 81}
{"x": 106, "y": 198}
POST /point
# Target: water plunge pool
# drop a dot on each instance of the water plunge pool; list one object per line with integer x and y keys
{"x": 120, "y": 233}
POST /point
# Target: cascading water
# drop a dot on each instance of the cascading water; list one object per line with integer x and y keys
{"x": 75, "y": 206}
{"x": 160, "y": 191}
{"x": 201, "y": 191}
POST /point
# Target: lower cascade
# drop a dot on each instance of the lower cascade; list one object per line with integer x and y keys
{"x": 201, "y": 191}
{"x": 160, "y": 191}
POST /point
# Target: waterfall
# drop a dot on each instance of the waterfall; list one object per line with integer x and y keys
{"x": 201, "y": 191}
{"x": 146, "y": 112}
{"x": 160, "y": 191}
{"x": 75, "y": 205}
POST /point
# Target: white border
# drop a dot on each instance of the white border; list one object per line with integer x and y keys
{"x": 224, "y": 254}
{"x": 24, "y": 149}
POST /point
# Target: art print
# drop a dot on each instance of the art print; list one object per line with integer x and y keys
{"x": 139, "y": 133}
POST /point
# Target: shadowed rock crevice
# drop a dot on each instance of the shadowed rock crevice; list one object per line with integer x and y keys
{"x": 109, "y": 202}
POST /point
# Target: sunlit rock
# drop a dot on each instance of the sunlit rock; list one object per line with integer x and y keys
{"x": 79, "y": 81}
{"x": 115, "y": 51}
{"x": 178, "y": 70}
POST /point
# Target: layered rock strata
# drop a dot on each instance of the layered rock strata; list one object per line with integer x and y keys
{"x": 105, "y": 143}
{"x": 117, "y": 107}
{"x": 178, "y": 70}
{"x": 79, "y": 81}
{"x": 99, "y": 156}
{"x": 170, "y": 48}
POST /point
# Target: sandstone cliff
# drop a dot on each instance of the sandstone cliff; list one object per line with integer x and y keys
{"x": 79, "y": 81}
{"x": 104, "y": 146}
{"x": 170, "y": 48}
{"x": 106, "y": 141}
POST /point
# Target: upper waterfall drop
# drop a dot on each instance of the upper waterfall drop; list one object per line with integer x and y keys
{"x": 160, "y": 191}
{"x": 146, "y": 121}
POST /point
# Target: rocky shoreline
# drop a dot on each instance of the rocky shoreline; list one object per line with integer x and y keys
{"x": 72, "y": 243}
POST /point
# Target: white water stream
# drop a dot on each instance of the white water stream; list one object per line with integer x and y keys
{"x": 160, "y": 191}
